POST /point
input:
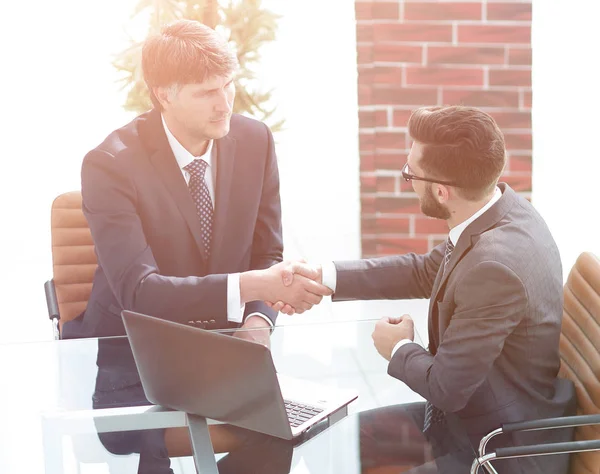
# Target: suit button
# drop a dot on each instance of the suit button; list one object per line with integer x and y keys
{"x": 212, "y": 323}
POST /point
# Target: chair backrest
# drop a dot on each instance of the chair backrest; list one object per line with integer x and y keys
{"x": 73, "y": 256}
{"x": 580, "y": 351}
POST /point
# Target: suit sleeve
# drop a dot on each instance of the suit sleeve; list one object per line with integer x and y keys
{"x": 399, "y": 277}
{"x": 267, "y": 243}
{"x": 109, "y": 204}
{"x": 490, "y": 302}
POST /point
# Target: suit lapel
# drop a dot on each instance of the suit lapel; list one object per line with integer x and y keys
{"x": 462, "y": 246}
{"x": 225, "y": 163}
{"x": 486, "y": 221}
{"x": 163, "y": 160}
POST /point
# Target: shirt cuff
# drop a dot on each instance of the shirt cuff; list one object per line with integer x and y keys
{"x": 260, "y": 315}
{"x": 235, "y": 309}
{"x": 329, "y": 275}
{"x": 401, "y": 343}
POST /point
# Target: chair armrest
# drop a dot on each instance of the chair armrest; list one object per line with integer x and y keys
{"x": 51, "y": 300}
{"x": 549, "y": 448}
{"x": 52, "y": 303}
{"x": 532, "y": 450}
{"x": 551, "y": 423}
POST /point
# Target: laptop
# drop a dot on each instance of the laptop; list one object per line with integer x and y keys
{"x": 225, "y": 378}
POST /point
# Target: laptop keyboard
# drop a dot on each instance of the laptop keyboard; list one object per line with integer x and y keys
{"x": 298, "y": 413}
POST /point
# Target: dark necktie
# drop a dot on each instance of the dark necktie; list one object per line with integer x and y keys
{"x": 433, "y": 414}
{"x": 202, "y": 200}
{"x": 448, "y": 254}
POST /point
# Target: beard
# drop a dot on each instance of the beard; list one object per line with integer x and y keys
{"x": 431, "y": 208}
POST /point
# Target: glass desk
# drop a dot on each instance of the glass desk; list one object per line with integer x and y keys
{"x": 47, "y": 420}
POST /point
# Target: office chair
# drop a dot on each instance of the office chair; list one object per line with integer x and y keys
{"x": 580, "y": 363}
{"x": 73, "y": 261}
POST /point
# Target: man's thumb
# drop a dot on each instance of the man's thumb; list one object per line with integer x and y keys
{"x": 287, "y": 275}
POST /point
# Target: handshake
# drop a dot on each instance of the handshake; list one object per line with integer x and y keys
{"x": 289, "y": 287}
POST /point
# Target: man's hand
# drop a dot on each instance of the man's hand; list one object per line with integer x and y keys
{"x": 255, "y": 329}
{"x": 302, "y": 268}
{"x": 267, "y": 285}
{"x": 389, "y": 331}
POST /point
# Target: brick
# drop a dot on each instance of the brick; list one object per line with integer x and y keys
{"x": 367, "y": 204}
{"x": 435, "y": 76}
{"x": 368, "y": 225}
{"x": 509, "y": 11}
{"x": 412, "y": 32}
{"x": 377, "y": 11}
{"x": 512, "y": 119}
{"x": 364, "y": 54}
{"x": 366, "y": 142}
{"x": 406, "y": 186}
{"x": 520, "y": 183}
{"x": 478, "y": 98}
{"x": 520, "y": 141}
{"x": 369, "y": 248}
{"x": 400, "y": 118}
{"x": 380, "y": 75}
{"x": 527, "y": 99}
{"x": 385, "y": 184}
{"x": 365, "y": 94}
{"x": 366, "y": 119}
{"x": 397, "y": 53}
{"x": 364, "y": 33}
{"x": 389, "y": 161}
{"x": 510, "y": 78}
{"x": 372, "y": 118}
{"x": 442, "y": 11}
{"x": 492, "y": 34}
{"x": 395, "y": 95}
{"x": 427, "y": 225}
{"x": 392, "y": 225}
{"x": 401, "y": 245}
{"x": 392, "y": 140}
{"x": 381, "y": 118}
{"x": 519, "y": 56}
{"x": 367, "y": 162}
{"x": 465, "y": 55}
{"x": 368, "y": 184}
{"x": 397, "y": 205}
{"x": 520, "y": 163}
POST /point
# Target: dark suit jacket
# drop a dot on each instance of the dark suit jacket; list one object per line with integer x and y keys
{"x": 494, "y": 323}
{"x": 148, "y": 237}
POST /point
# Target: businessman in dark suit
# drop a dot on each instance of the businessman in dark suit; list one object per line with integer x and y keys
{"x": 495, "y": 290}
{"x": 183, "y": 205}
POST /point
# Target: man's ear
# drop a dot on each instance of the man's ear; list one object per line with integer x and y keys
{"x": 163, "y": 95}
{"x": 442, "y": 193}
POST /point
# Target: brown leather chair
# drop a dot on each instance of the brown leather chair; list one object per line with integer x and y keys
{"x": 73, "y": 261}
{"x": 580, "y": 355}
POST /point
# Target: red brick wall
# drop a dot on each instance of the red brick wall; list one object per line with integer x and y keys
{"x": 416, "y": 53}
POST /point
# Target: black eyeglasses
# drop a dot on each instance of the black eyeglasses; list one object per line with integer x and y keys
{"x": 409, "y": 177}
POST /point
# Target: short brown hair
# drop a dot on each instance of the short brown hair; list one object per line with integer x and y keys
{"x": 185, "y": 52}
{"x": 462, "y": 145}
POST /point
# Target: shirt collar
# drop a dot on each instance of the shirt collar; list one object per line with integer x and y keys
{"x": 183, "y": 156}
{"x": 457, "y": 231}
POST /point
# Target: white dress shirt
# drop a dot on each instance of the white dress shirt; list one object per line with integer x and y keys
{"x": 329, "y": 272}
{"x": 235, "y": 310}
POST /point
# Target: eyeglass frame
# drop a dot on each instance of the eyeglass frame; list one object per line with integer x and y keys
{"x": 408, "y": 177}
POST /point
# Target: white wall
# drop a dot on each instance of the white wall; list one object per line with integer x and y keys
{"x": 566, "y": 123}
{"x": 60, "y": 100}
